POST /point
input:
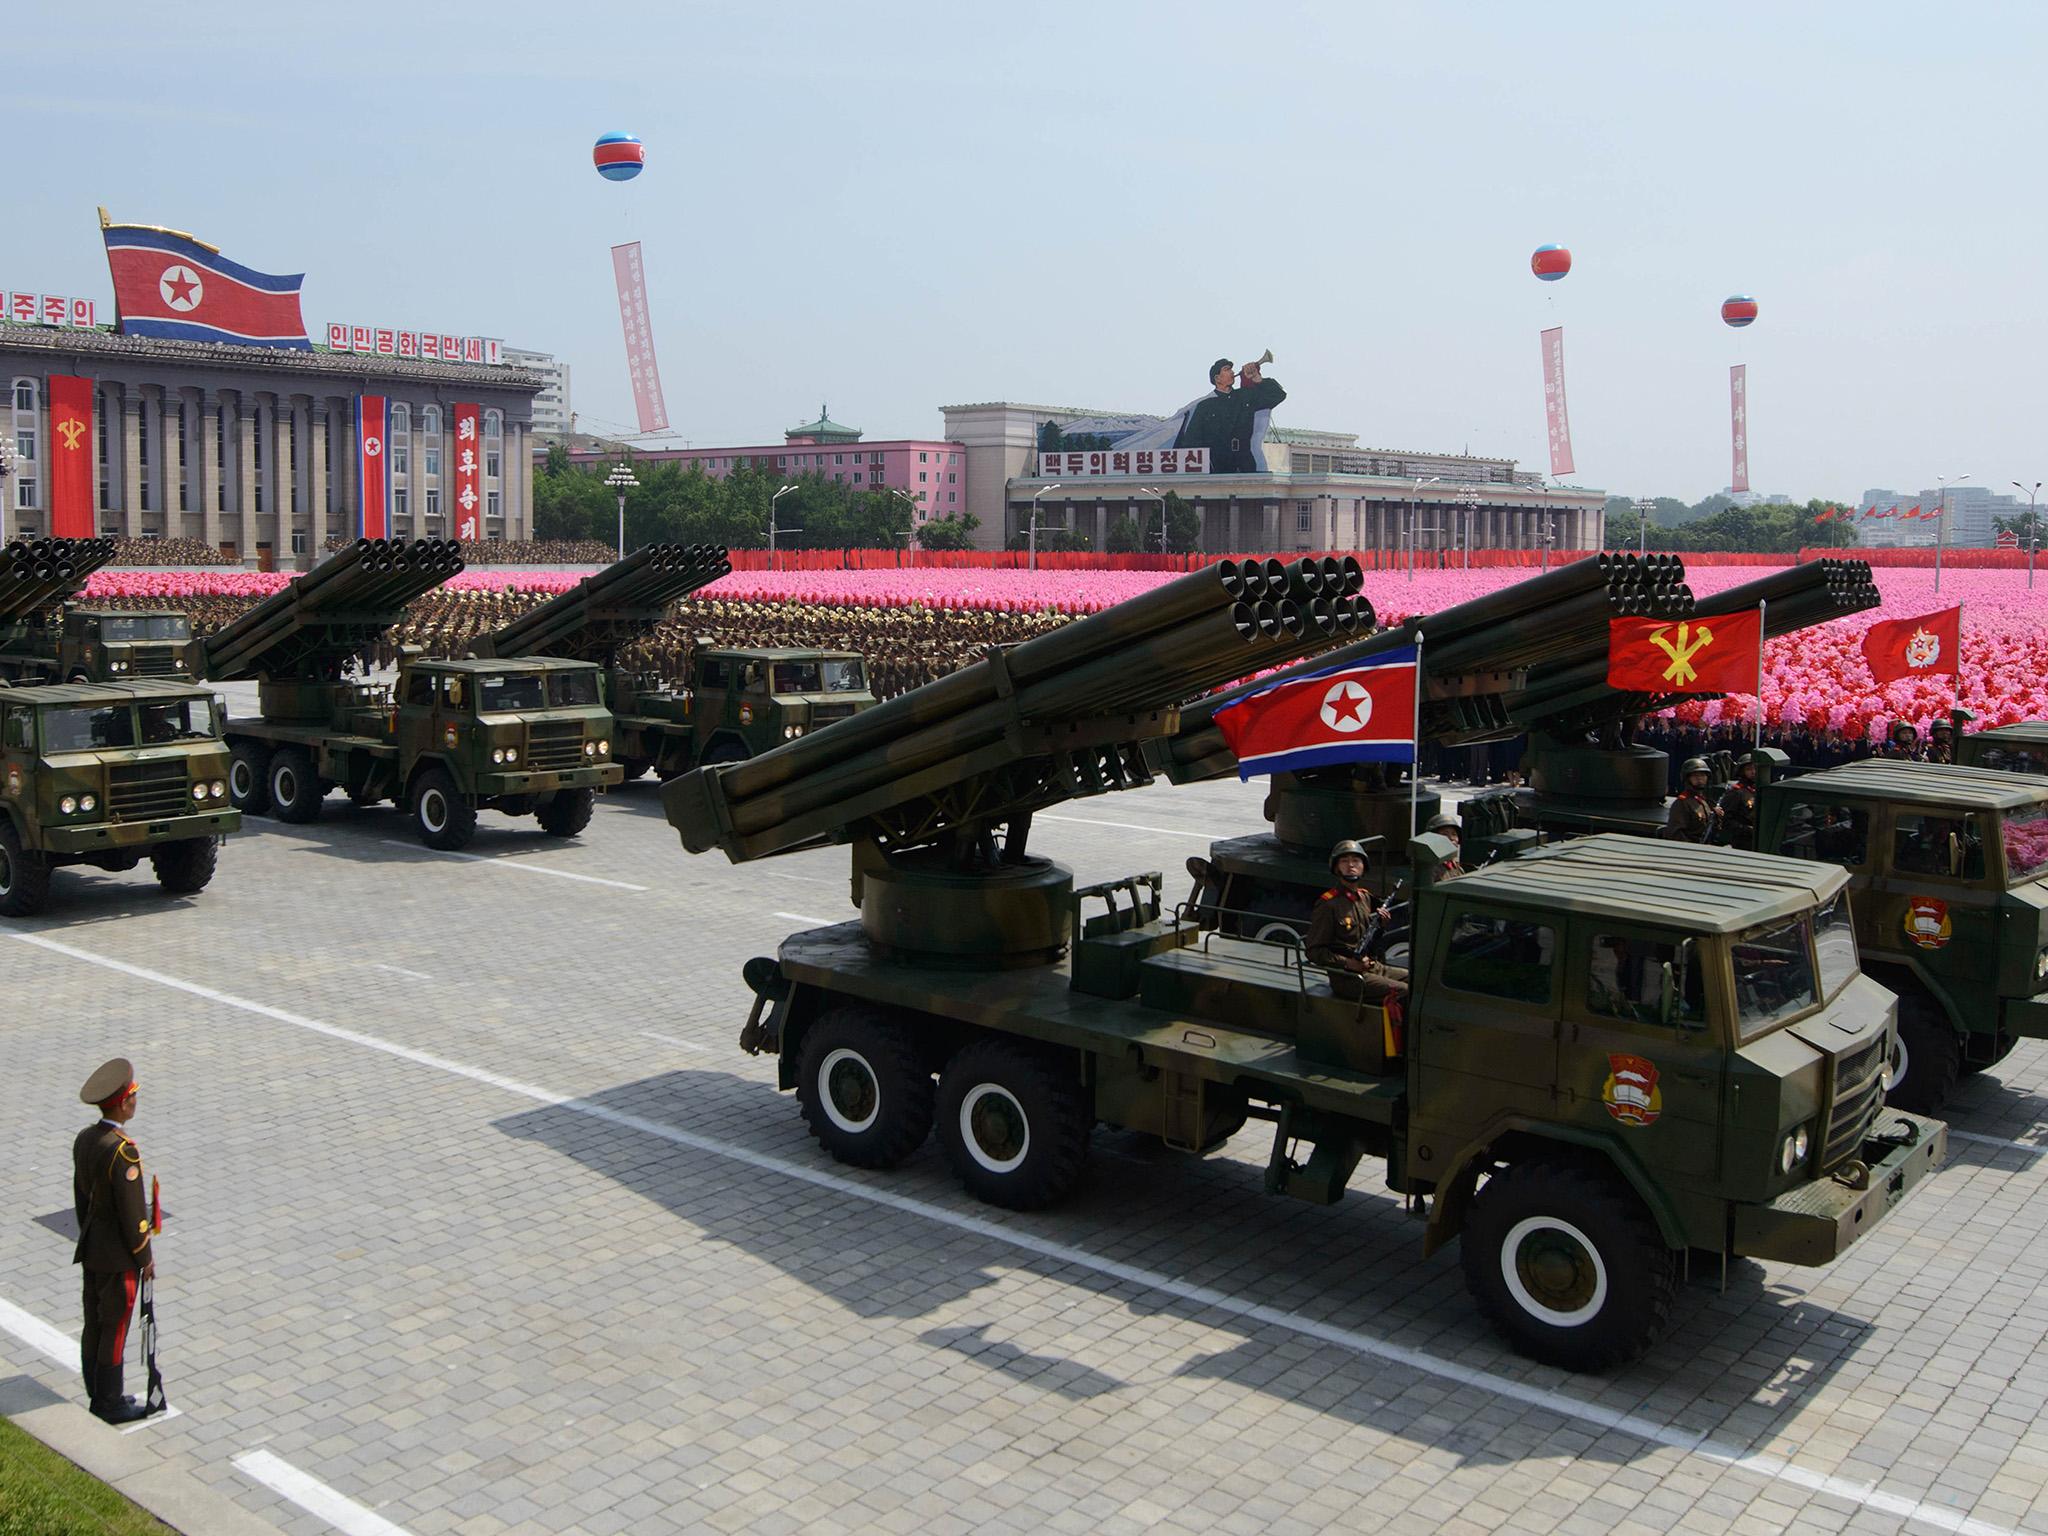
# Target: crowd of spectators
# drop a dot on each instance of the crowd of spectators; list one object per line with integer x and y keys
{"x": 526, "y": 551}
{"x": 167, "y": 552}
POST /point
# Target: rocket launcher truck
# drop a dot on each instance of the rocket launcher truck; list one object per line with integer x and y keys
{"x": 47, "y": 637}
{"x": 735, "y": 704}
{"x": 1575, "y": 1087}
{"x": 448, "y": 738}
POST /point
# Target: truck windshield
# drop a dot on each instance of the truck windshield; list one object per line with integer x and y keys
{"x": 837, "y": 675}
{"x": 2026, "y": 843}
{"x": 82, "y": 730}
{"x": 177, "y": 720}
{"x": 498, "y": 695}
{"x": 1834, "y": 941}
{"x": 1773, "y": 975}
{"x": 572, "y": 688}
{"x": 147, "y": 626}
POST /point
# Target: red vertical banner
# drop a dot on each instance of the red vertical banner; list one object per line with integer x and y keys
{"x": 469, "y": 465}
{"x": 1738, "y": 425}
{"x": 1560, "y": 421}
{"x": 639, "y": 331}
{"x": 373, "y": 494}
{"x": 74, "y": 451}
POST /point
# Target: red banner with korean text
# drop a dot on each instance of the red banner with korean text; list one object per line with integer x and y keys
{"x": 1738, "y": 425}
{"x": 469, "y": 465}
{"x": 74, "y": 452}
{"x": 373, "y": 489}
{"x": 1560, "y": 421}
{"x": 632, "y": 281}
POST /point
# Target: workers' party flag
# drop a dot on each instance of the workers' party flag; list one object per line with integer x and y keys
{"x": 1715, "y": 654}
{"x": 1361, "y": 712}
{"x": 74, "y": 458}
{"x": 1921, "y": 647}
{"x": 172, "y": 286}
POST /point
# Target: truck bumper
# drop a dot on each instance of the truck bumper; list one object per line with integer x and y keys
{"x": 596, "y": 776}
{"x": 1817, "y": 1222}
{"x": 129, "y": 834}
{"x": 2025, "y": 1017}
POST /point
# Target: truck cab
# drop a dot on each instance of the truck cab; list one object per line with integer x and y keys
{"x": 1949, "y": 865}
{"x": 105, "y": 775}
{"x": 2018, "y": 748}
{"x": 737, "y": 704}
{"x": 77, "y": 643}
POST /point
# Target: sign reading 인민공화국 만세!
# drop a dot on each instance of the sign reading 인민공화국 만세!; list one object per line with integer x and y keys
{"x": 1122, "y": 461}
{"x": 631, "y": 278}
{"x": 423, "y": 346}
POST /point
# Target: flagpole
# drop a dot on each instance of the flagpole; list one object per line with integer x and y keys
{"x": 1415, "y": 747}
{"x": 1762, "y": 608}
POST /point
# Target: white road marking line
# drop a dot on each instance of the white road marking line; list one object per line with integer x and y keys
{"x": 314, "y": 1496}
{"x": 776, "y": 874}
{"x": 822, "y": 922}
{"x": 2034, "y": 1147}
{"x": 399, "y": 970}
{"x": 1670, "y": 1436}
{"x": 1131, "y": 826}
{"x": 39, "y": 1335}
{"x": 523, "y": 868}
{"x": 688, "y": 1045}
{"x": 171, "y": 1411}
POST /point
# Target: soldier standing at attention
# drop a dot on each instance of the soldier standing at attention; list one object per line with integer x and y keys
{"x": 1340, "y": 926}
{"x": 113, "y": 1236}
{"x": 1738, "y": 806}
{"x": 1222, "y": 421}
{"x": 1689, "y": 817}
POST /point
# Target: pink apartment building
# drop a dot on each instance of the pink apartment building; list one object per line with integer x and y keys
{"x": 932, "y": 474}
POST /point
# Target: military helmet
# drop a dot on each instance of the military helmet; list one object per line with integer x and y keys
{"x": 1349, "y": 845}
{"x": 1442, "y": 823}
{"x": 1694, "y": 765}
{"x": 1747, "y": 760}
{"x": 1943, "y": 725}
{"x": 1906, "y": 729}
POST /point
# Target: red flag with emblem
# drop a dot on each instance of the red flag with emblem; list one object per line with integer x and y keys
{"x": 74, "y": 453}
{"x": 1715, "y": 654}
{"x": 1917, "y": 647}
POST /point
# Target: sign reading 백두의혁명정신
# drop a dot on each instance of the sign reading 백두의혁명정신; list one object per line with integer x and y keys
{"x": 1126, "y": 461}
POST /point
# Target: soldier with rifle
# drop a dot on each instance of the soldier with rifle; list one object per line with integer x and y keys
{"x": 114, "y": 1231}
{"x": 1343, "y": 925}
{"x": 1690, "y": 818}
{"x": 1737, "y": 810}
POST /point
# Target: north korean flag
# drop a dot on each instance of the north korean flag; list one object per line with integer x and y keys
{"x": 1359, "y": 712}
{"x": 171, "y": 286}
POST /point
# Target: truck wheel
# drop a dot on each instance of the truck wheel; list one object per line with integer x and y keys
{"x": 566, "y": 812}
{"x": 294, "y": 788}
{"x": 185, "y": 866}
{"x": 24, "y": 875}
{"x": 1927, "y": 1059}
{"x": 727, "y": 749}
{"x": 445, "y": 820}
{"x": 1567, "y": 1264}
{"x": 1014, "y": 1130}
{"x": 865, "y": 1094}
{"x": 249, "y": 778}
{"x": 633, "y": 768}
{"x": 2000, "y": 1049}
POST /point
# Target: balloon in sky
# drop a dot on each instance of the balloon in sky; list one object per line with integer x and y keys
{"x": 619, "y": 156}
{"x": 1550, "y": 262}
{"x": 1738, "y": 310}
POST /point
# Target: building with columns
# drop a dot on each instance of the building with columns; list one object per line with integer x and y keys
{"x": 253, "y": 449}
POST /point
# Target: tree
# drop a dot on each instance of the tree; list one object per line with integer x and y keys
{"x": 1123, "y": 537}
{"x": 2024, "y": 526}
{"x": 1183, "y": 525}
{"x": 954, "y": 531}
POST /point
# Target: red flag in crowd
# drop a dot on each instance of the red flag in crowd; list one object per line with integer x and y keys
{"x": 1917, "y": 647}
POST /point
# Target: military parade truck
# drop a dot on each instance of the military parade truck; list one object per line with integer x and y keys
{"x": 735, "y": 704}
{"x": 1947, "y": 866}
{"x": 106, "y": 775}
{"x": 447, "y": 739}
{"x": 46, "y": 638}
{"x": 1614, "y": 1052}
{"x": 2019, "y": 748}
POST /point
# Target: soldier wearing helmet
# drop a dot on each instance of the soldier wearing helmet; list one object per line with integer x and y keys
{"x": 1941, "y": 744}
{"x": 1343, "y": 923}
{"x": 1690, "y": 818}
{"x": 1446, "y": 827}
{"x": 1738, "y": 805}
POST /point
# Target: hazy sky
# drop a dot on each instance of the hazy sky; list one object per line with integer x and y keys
{"x": 898, "y": 206}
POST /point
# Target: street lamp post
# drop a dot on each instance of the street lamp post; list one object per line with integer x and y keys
{"x": 6, "y": 474}
{"x": 1032, "y": 536}
{"x": 1468, "y": 503}
{"x": 1644, "y": 507}
{"x": 622, "y": 480}
{"x": 1160, "y": 496}
{"x": 1547, "y": 538}
{"x": 771, "y": 515}
{"x": 1941, "y": 527}
{"x": 1414, "y": 513}
{"x": 2033, "y": 528}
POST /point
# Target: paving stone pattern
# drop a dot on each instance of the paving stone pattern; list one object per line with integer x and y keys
{"x": 476, "y": 1308}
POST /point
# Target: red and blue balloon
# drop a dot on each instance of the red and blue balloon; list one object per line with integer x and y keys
{"x": 1550, "y": 262}
{"x": 619, "y": 156}
{"x": 1738, "y": 310}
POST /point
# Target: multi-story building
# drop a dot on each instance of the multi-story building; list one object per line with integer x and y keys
{"x": 553, "y": 418}
{"x": 253, "y": 449}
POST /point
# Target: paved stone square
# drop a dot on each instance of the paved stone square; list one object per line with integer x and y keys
{"x": 480, "y": 1218}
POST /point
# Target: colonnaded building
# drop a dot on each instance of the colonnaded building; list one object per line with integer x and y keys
{"x": 253, "y": 449}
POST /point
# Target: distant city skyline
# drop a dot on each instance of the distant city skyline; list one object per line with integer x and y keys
{"x": 915, "y": 205}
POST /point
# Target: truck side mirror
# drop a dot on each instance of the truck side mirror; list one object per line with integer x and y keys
{"x": 1955, "y": 856}
{"x": 1667, "y": 994}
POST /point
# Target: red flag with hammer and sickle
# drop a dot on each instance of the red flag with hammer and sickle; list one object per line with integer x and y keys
{"x": 1714, "y": 654}
{"x": 74, "y": 456}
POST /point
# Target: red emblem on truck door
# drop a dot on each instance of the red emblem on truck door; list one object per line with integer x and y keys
{"x": 1927, "y": 922}
{"x": 1630, "y": 1092}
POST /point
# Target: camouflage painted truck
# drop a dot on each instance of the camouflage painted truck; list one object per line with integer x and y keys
{"x": 1949, "y": 870}
{"x": 106, "y": 775}
{"x": 46, "y": 637}
{"x": 736, "y": 703}
{"x": 2017, "y": 748}
{"x": 445, "y": 740}
{"x": 1614, "y": 1052}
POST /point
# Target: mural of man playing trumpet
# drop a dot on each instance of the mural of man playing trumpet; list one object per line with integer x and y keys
{"x": 1224, "y": 420}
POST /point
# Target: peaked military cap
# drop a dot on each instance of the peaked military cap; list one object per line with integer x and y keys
{"x": 112, "y": 1079}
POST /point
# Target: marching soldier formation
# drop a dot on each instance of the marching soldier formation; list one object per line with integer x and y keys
{"x": 115, "y": 1228}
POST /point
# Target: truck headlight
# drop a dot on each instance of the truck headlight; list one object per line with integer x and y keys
{"x": 88, "y": 802}
{"x": 1793, "y": 1149}
{"x": 216, "y": 789}
{"x": 511, "y": 754}
{"x": 68, "y": 805}
{"x": 604, "y": 746}
{"x": 497, "y": 754}
{"x": 199, "y": 791}
{"x": 2041, "y": 966}
{"x": 590, "y": 749}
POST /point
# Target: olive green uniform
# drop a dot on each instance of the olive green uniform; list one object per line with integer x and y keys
{"x": 1222, "y": 423}
{"x": 108, "y": 1193}
{"x": 1337, "y": 931}
{"x": 1738, "y": 816}
{"x": 1689, "y": 818}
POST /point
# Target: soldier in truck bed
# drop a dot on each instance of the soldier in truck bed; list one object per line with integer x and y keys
{"x": 1342, "y": 925}
{"x": 1690, "y": 817}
